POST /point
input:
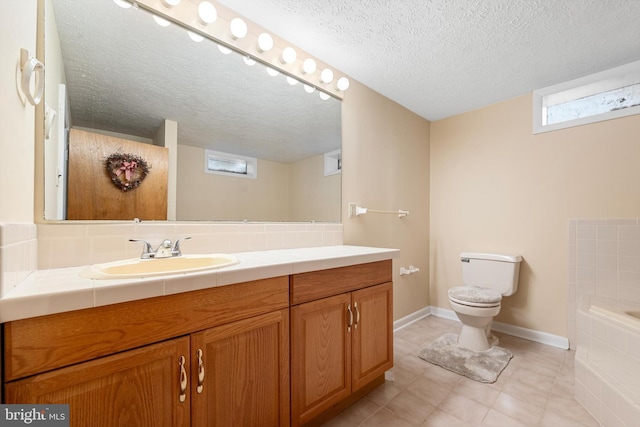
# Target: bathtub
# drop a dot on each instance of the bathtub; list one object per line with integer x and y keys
{"x": 607, "y": 371}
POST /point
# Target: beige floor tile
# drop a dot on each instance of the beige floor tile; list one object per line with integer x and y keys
{"x": 551, "y": 419}
{"x": 498, "y": 419}
{"x": 536, "y": 388}
{"x": 521, "y": 410}
{"x": 386, "y": 418}
{"x": 410, "y": 407}
{"x": 442, "y": 419}
{"x": 484, "y": 394}
{"x": 571, "y": 409}
{"x": 463, "y": 408}
{"x": 355, "y": 414}
{"x": 384, "y": 393}
{"x": 429, "y": 391}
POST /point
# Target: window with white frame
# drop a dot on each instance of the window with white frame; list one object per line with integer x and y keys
{"x": 602, "y": 96}
{"x": 220, "y": 163}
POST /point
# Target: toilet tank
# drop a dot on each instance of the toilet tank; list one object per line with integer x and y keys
{"x": 493, "y": 271}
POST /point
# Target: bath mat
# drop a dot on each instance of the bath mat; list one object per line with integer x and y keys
{"x": 483, "y": 366}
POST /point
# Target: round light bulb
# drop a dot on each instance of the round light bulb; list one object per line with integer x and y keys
{"x": 195, "y": 36}
{"x": 309, "y": 66}
{"x": 292, "y": 81}
{"x": 323, "y": 96}
{"x": 272, "y": 72}
{"x": 265, "y": 42}
{"x": 224, "y": 50}
{"x": 171, "y": 3}
{"x": 207, "y": 13}
{"x": 288, "y": 55}
{"x": 309, "y": 88}
{"x": 123, "y": 4}
{"x": 161, "y": 21}
{"x": 343, "y": 83}
{"x": 249, "y": 60}
{"x": 326, "y": 76}
{"x": 238, "y": 28}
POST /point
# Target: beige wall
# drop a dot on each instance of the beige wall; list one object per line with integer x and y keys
{"x": 385, "y": 155}
{"x": 18, "y": 30}
{"x": 496, "y": 187}
{"x": 314, "y": 196}
{"x": 203, "y": 195}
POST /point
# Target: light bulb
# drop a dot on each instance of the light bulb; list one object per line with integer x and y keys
{"x": 309, "y": 66}
{"x": 309, "y": 88}
{"x": 195, "y": 36}
{"x": 123, "y": 4}
{"x": 207, "y": 13}
{"x": 265, "y": 42}
{"x": 343, "y": 83}
{"x": 161, "y": 21}
{"x": 238, "y": 28}
{"x": 224, "y": 50}
{"x": 171, "y": 3}
{"x": 326, "y": 76}
{"x": 288, "y": 55}
{"x": 272, "y": 72}
{"x": 323, "y": 96}
{"x": 292, "y": 81}
{"x": 249, "y": 60}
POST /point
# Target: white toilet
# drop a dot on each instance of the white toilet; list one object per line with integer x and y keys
{"x": 486, "y": 279}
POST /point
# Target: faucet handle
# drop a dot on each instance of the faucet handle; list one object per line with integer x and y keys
{"x": 147, "y": 250}
{"x": 175, "y": 250}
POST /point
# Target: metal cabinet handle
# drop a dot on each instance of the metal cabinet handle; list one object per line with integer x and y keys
{"x": 200, "y": 386}
{"x": 350, "y": 317}
{"x": 183, "y": 379}
{"x": 355, "y": 305}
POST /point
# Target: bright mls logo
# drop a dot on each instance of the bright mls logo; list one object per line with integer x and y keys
{"x": 36, "y": 415}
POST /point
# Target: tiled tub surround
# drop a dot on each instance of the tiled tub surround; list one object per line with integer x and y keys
{"x": 57, "y": 290}
{"x": 604, "y": 270}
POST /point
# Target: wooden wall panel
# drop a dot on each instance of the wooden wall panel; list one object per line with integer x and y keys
{"x": 92, "y": 195}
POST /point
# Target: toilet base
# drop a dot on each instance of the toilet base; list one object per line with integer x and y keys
{"x": 473, "y": 338}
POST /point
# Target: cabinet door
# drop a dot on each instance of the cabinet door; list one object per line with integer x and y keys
{"x": 320, "y": 356}
{"x": 140, "y": 387}
{"x": 240, "y": 373}
{"x": 372, "y": 333}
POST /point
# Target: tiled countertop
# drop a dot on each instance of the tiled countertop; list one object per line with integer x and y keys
{"x": 59, "y": 290}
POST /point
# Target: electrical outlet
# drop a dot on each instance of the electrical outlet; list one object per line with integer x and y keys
{"x": 352, "y": 209}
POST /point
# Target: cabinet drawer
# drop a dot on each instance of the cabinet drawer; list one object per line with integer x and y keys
{"x": 48, "y": 342}
{"x": 324, "y": 283}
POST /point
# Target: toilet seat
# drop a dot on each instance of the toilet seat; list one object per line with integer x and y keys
{"x": 475, "y": 296}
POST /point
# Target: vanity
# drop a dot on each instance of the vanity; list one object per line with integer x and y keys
{"x": 287, "y": 337}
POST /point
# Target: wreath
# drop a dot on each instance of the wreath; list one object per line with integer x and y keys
{"x": 126, "y": 171}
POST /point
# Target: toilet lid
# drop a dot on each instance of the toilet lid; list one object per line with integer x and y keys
{"x": 475, "y": 295}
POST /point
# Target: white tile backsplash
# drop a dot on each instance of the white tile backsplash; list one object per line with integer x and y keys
{"x": 18, "y": 249}
{"x": 75, "y": 244}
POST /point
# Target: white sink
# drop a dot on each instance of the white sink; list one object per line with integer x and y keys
{"x": 136, "y": 267}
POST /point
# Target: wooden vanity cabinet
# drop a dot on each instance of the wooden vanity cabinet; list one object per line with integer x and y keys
{"x": 216, "y": 357}
{"x": 340, "y": 344}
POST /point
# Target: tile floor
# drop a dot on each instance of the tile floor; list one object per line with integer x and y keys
{"x": 536, "y": 389}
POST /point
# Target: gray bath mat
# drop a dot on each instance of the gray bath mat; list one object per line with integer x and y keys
{"x": 484, "y": 366}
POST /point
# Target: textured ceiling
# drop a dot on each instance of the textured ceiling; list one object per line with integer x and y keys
{"x": 439, "y": 58}
{"x": 127, "y": 74}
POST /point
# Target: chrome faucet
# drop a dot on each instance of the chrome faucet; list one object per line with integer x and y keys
{"x": 166, "y": 249}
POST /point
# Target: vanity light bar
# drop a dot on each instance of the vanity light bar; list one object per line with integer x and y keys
{"x": 285, "y": 60}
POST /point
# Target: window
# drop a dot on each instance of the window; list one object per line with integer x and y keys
{"x": 230, "y": 164}
{"x": 602, "y": 96}
{"x": 333, "y": 162}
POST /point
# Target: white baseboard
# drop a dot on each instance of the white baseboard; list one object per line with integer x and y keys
{"x": 413, "y": 317}
{"x": 516, "y": 331}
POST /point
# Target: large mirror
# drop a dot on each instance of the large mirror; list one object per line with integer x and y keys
{"x": 116, "y": 72}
